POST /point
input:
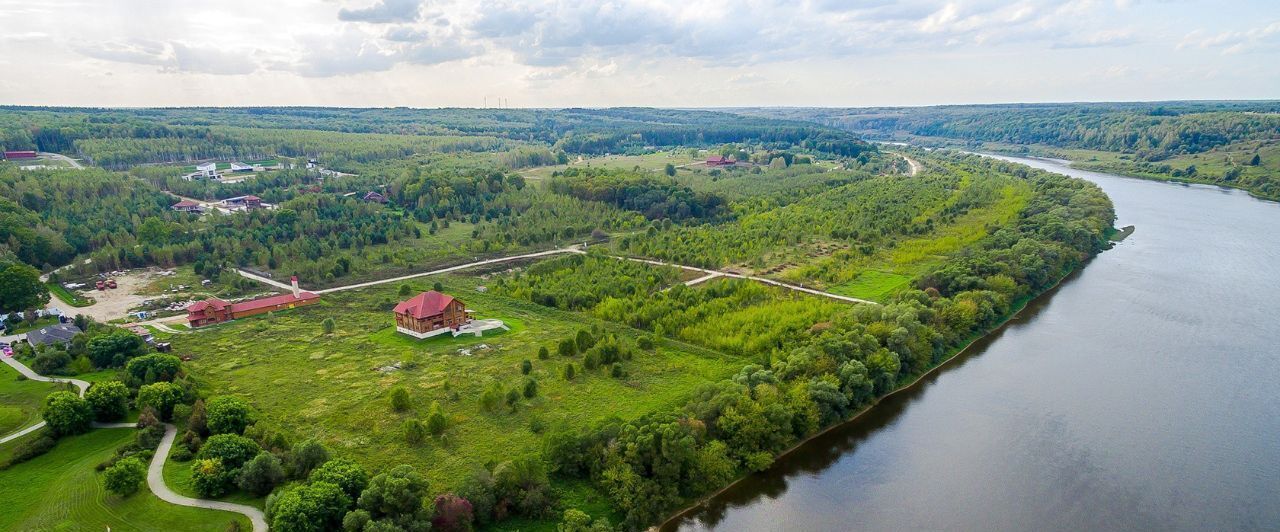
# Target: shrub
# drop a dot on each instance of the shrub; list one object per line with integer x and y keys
{"x": 315, "y": 506}
{"x": 66, "y": 413}
{"x": 436, "y": 420}
{"x": 492, "y": 398}
{"x": 513, "y": 397}
{"x": 414, "y": 431}
{"x": 399, "y": 399}
{"x": 530, "y": 389}
{"x": 109, "y": 400}
{"x": 149, "y": 437}
{"x": 525, "y": 367}
{"x": 31, "y": 448}
{"x": 345, "y": 474}
{"x": 405, "y": 290}
{"x": 584, "y": 341}
{"x": 125, "y": 476}
{"x": 210, "y": 478}
{"x": 198, "y": 422}
{"x": 261, "y": 475}
{"x": 232, "y": 450}
{"x": 327, "y": 325}
{"x": 51, "y": 361}
{"x": 544, "y": 353}
{"x": 617, "y": 372}
{"x": 567, "y": 347}
{"x": 228, "y": 415}
{"x": 452, "y": 514}
{"x": 156, "y": 367}
{"x": 591, "y": 361}
{"x": 645, "y": 342}
{"x": 307, "y": 456}
{"x": 568, "y": 372}
{"x": 162, "y": 396}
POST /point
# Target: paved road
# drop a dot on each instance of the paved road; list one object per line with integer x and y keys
{"x": 155, "y": 480}
{"x": 557, "y": 251}
{"x": 23, "y": 369}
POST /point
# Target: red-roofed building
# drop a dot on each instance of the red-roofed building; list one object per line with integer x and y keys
{"x": 19, "y": 155}
{"x": 187, "y": 206}
{"x": 720, "y": 160}
{"x": 430, "y": 313}
{"x": 214, "y": 310}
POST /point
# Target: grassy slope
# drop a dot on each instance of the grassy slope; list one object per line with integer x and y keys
{"x": 310, "y": 384}
{"x": 61, "y": 491}
{"x": 20, "y": 400}
{"x": 1210, "y": 165}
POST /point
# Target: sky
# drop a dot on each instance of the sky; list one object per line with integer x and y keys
{"x": 663, "y": 53}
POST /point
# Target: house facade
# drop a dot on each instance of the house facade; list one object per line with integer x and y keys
{"x": 214, "y": 310}
{"x": 429, "y": 314}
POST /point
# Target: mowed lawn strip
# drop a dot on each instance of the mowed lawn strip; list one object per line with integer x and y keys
{"x": 61, "y": 490}
{"x": 20, "y": 400}
{"x": 307, "y": 383}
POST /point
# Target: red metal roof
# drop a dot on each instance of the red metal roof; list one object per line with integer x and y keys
{"x": 19, "y": 155}
{"x": 424, "y": 305}
{"x": 186, "y": 203}
{"x": 214, "y": 302}
{"x": 272, "y": 301}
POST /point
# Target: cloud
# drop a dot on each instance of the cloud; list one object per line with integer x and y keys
{"x": 135, "y": 51}
{"x": 212, "y": 60}
{"x": 1101, "y": 39}
{"x": 384, "y": 12}
{"x": 1233, "y": 42}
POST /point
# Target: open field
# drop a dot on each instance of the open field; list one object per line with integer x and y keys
{"x": 73, "y": 298}
{"x": 332, "y": 387}
{"x": 61, "y": 491}
{"x": 652, "y": 161}
{"x": 20, "y": 400}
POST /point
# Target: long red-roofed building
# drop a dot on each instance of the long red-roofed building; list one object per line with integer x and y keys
{"x": 214, "y": 310}
{"x": 429, "y": 314}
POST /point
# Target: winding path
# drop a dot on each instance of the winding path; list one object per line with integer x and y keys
{"x": 155, "y": 472}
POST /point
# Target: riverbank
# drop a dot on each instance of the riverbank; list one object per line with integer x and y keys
{"x": 670, "y": 523}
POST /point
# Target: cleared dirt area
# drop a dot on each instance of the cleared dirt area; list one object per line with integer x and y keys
{"x": 114, "y": 303}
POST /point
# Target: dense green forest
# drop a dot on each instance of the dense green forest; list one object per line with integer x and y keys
{"x": 1223, "y": 143}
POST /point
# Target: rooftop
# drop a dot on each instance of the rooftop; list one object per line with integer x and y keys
{"x": 424, "y": 305}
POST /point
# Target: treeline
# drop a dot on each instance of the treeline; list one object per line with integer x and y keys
{"x": 1153, "y": 131}
{"x": 814, "y": 363}
{"x": 654, "y": 196}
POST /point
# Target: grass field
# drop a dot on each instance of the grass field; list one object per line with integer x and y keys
{"x": 331, "y": 386}
{"x": 20, "y": 400}
{"x": 61, "y": 491}
{"x": 651, "y": 161}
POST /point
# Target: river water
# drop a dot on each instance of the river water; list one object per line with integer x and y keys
{"x": 1141, "y": 394}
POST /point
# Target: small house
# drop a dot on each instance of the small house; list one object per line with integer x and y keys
{"x": 375, "y": 197}
{"x": 241, "y": 167}
{"x": 54, "y": 334}
{"x": 429, "y": 314}
{"x": 720, "y": 160}
{"x": 188, "y": 206}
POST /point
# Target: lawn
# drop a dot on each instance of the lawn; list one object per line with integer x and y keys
{"x": 67, "y": 296}
{"x": 23, "y": 326}
{"x": 61, "y": 491}
{"x": 307, "y": 383}
{"x": 20, "y": 400}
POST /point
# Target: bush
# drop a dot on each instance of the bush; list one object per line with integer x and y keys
{"x": 66, "y": 413}
{"x": 228, "y": 415}
{"x": 437, "y": 423}
{"x": 156, "y": 367}
{"x": 198, "y": 422}
{"x": 210, "y": 477}
{"x": 31, "y": 448}
{"x": 452, "y": 514}
{"x": 149, "y": 437}
{"x": 584, "y": 341}
{"x": 491, "y": 400}
{"x": 525, "y": 367}
{"x": 261, "y": 475}
{"x": 405, "y": 290}
{"x": 530, "y": 389}
{"x": 315, "y": 506}
{"x": 50, "y": 361}
{"x": 544, "y": 353}
{"x": 645, "y": 342}
{"x": 617, "y": 372}
{"x": 568, "y": 372}
{"x": 327, "y": 325}
{"x": 162, "y": 396}
{"x": 567, "y": 347}
{"x": 414, "y": 431}
{"x": 125, "y": 476}
{"x": 181, "y": 454}
{"x": 399, "y": 399}
{"x": 307, "y": 456}
{"x": 591, "y": 361}
{"x": 513, "y": 397}
{"x": 109, "y": 400}
{"x": 232, "y": 450}
{"x": 115, "y": 349}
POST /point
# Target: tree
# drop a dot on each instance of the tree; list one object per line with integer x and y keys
{"x": 51, "y": 360}
{"x": 345, "y": 474}
{"x": 1256, "y": 160}
{"x": 198, "y": 421}
{"x": 327, "y": 325}
{"x": 567, "y": 347}
{"x": 530, "y": 388}
{"x": 568, "y": 372}
{"x": 162, "y": 396}
{"x": 399, "y": 399}
{"x": 155, "y": 367}
{"x": 20, "y": 288}
{"x": 513, "y": 397}
{"x": 261, "y": 475}
{"x": 210, "y": 477}
{"x": 66, "y": 413}
{"x": 437, "y": 287}
{"x": 109, "y": 400}
{"x": 543, "y": 353}
{"x": 232, "y": 450}
{"x": 396, "y": 498}
{"x": 452, "y": 514}
{"x": 114, "y": 349}
{"x": 311, "y": 507}
{"x": 436, "y": 420}
{"x": 584, "y": 341}
{"x": 670, "y": 170}
{"x": 405, "y": 290}
{"x": 125, "y": 476}
{"x": 414, "y": 431}
{"x": 525, "y": 367}
{"x": 228, "y": 415}
{"x": 306, "y": 456}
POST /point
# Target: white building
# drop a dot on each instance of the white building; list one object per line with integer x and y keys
{"x": 207, "y": 170}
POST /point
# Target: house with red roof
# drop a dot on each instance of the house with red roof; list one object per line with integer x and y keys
{"x": 429, "y": 314}
{"x": 214, "y": 310}
{"x": 188, "y": 206}
{"x": 720, "y": 160}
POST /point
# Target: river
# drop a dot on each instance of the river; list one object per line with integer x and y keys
{"x": 1141, "y": 394}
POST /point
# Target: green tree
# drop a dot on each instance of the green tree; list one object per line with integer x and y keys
{"x": 155, "y": 367}
{"x": 437, "y": 287}
{"x": 261, "y": 475}
{"x": 66, "y": 413}
{"x": 198, "y": 421}
{"x": 327, "y": 325}
{"x": 414, "y": 431}
{"x": 125, "y": 476}
{"x": 306, "y": 456}
{"x": 584, "y": 341}
{"x": 396, "y": 498}
{"x": 568, "y": 372}
{"x": 310, "y": 507}
{"x": 513, "y": 397}
{"x": 109, "y": 400}
{"x": 526, "y": 366}
{"x": 228, "y": 415}
{"x": 567, "y": 347}
{"x": 232, "y": 450}
{"x": 405, "y": 290}
{"x": 530, "y": 388}
{"x": 543, "y": 353}
{"x": 670, "y": 170}
{"x": 437, "y": 423}
{"x": 344, "y": 473}
{"x": 115, "y": 349}
{"x": 400, "y": 399}
{"x": 20, "y": 288}
{"x": 210, "y": 478}
{"x": 162, "y": 396}
{"x": 1256, "y": 160}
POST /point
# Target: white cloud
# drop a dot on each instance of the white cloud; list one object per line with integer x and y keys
{"x": 1233, "y": 42}
{"x": 383, "y": 12}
